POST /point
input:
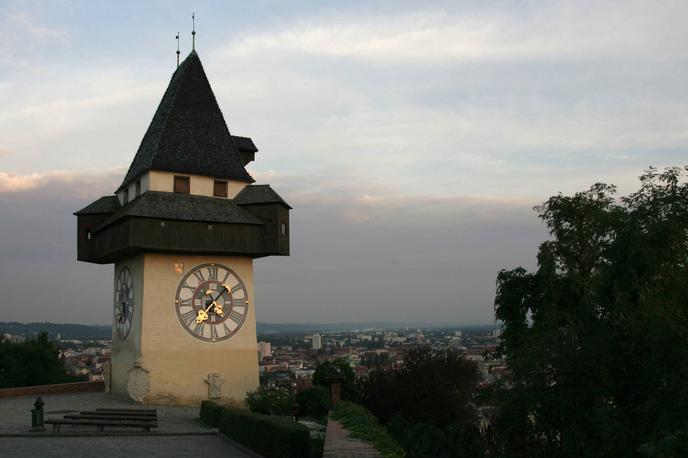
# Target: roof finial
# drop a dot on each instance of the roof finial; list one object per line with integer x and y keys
{"x": 177, "y": 49}
{"x": 193, "y": 31}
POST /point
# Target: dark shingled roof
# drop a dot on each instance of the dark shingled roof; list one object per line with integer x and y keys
{"x": 188, "y": 133}
{"x": 185, "y": 207}
{"x": 106, "y": 204}
{"x": 245, "y": 144}
{"x": 258, "y": 194}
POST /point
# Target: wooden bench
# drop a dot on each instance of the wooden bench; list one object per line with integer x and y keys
{"x": 150, "y": 411}
{"x": 139, "y": 418}
{"x": 57, "y": 423}
{"x": 119, "y": 414}
{"x": 136, "y": 418}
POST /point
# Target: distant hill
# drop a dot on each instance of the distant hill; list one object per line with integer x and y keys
{"x": 93, "y": 332}
{"x": 66, "y": 330}
{"x": 271, "y": 328}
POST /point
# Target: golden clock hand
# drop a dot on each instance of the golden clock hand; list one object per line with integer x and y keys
{"x": 202, "y": 316}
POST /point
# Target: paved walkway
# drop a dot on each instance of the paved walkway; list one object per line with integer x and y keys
{"x": 338, "y": 444}
{"x": 179, "y": 432}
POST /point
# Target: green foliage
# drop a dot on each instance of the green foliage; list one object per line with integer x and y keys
{"x": 31, "y": 363}
{"x": 210, "y": 413}
{"x": 271, "y": 401}
{"x": 673, "y": 445}
{"x": 340, "y": 367}
{"x": 314, "y": 402}
{"x": 433, "y": 386}
{"x": 421, "y": 440}
{"x": 363, "y": 425}
{"x": 270, "y": 436}
{"x": 595, "y": 338}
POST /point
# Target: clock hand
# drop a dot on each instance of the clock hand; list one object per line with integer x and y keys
{"x": 218, "y": 308}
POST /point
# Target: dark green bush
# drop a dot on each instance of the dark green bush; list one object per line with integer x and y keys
{"x": 271, "y": 401}
{"x": 210, "y": 413}
{"x": 314, "y": 402}
{"x": 270, "y": 436}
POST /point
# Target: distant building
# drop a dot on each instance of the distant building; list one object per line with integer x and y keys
{"x": 9, "y": 338}
{"x": 264, "y": 350}
{"x": 317, "y": 341}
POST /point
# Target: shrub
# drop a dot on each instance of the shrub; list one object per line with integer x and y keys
{"x": 314, "y": 402}
{"x": 363, "y": 425}
{"x": 271, "y": 401}
{"x": 425, "y": 439}
{"x": 210, "y": 413}
{"x": 339, "y": 367}
{"x": 270, "y": 436}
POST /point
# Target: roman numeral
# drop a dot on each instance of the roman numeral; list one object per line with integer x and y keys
{"x": 213, "y": 333}
{"x": 189, "y": 287}
{"x": 236, "y": 288}
{"x": 227, "y": 331}
{"x": 240, "y": 302}
{"x": 189, "y": 317}
{"x": 212, "y": 273}
{"x": 236, "y": 316}
{"x": 199, "y": 274}
{"x": 199, "y": 329}
{"x": 226, "y": 277}
{"x": 185, "y": 302}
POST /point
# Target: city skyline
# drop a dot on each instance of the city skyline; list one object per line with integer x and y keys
{"x": 411, "y": 142}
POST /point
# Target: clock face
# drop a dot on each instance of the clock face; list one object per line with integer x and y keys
{"x": 124, "y": 303}
{"x": 211, "y": 302}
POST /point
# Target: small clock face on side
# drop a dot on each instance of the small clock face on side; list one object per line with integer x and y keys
{"x": 211, "y": 302}
{"x": 124, "y": 303}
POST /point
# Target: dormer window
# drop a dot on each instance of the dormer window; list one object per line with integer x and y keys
{"x": 220, "y": 189}
{"x": 125, "y": 196}
{"x": 138, "y": 188}
{"x": 181, "y": 184}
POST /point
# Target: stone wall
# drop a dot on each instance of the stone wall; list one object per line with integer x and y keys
{"x": 76, "y": 387}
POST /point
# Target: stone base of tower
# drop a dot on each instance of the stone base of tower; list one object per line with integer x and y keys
{"x": 159, "y": 362}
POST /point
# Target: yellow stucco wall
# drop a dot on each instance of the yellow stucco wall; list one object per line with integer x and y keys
{"x": 200, "y": 185}
{"x": 178, "y": 363}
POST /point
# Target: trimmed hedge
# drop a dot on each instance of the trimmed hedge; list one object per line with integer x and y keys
{"x": 210, "y": 413}
{"x": 363, "y": 425}
{"x": 272, "y": 437}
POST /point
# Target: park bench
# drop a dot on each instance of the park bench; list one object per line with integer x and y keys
{"x": 136, "y": 418}
{"x": 120, "y": 414}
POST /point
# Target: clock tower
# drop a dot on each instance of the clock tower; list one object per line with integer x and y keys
{"x": 182, "y": 230}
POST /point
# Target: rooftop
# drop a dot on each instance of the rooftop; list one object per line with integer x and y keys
{"x": 188, "y": 133}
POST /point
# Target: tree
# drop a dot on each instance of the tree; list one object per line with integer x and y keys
{"x": 595, "y": 338}
{"x": 31, "y": 363}
{"x": 314, "y": 402}
{"x": 340, "y": 367}
{"x": 427, "y": 404}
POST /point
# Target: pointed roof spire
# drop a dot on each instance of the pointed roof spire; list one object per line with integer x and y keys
{"x": 178, "y": 50}
{"x": 193, "y": 31}
{"x": 188, "y": 133}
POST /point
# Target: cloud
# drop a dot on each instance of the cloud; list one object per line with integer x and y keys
{"x": 28, "y": 23}
{"x": 76, "y": 184}
{"x": 554, "y": 30}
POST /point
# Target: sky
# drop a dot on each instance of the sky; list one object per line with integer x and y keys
{"x": 411, "y": 138}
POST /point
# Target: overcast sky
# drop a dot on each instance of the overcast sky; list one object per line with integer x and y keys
{"x": 411, "y": 138}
